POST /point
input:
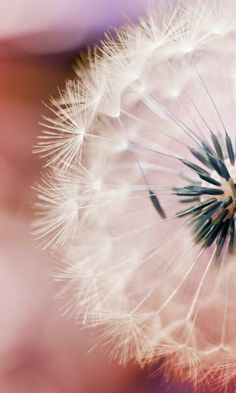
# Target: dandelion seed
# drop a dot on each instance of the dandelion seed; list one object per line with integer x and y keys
{"x": 139, "y": 202}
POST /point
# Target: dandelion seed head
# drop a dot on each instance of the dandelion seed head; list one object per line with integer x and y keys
{"x": 138, "y": 201}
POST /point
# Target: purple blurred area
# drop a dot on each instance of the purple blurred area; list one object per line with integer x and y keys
{"x": 55, "y": 26}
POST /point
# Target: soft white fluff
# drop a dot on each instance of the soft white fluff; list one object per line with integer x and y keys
{"x": 119, "y": 129}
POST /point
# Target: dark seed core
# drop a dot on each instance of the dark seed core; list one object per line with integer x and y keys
{"x": 212, "y": 217}
{"x": 213, "y": 199}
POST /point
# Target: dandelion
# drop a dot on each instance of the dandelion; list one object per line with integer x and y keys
{"x": 139, "y": 198}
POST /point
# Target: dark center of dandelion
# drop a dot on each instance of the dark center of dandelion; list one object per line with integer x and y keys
{"x": 213, "y": 197}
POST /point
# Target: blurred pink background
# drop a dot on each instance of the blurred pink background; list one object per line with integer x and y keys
{"x": 51, "y": 26}
{"x": 40, "y": 350}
